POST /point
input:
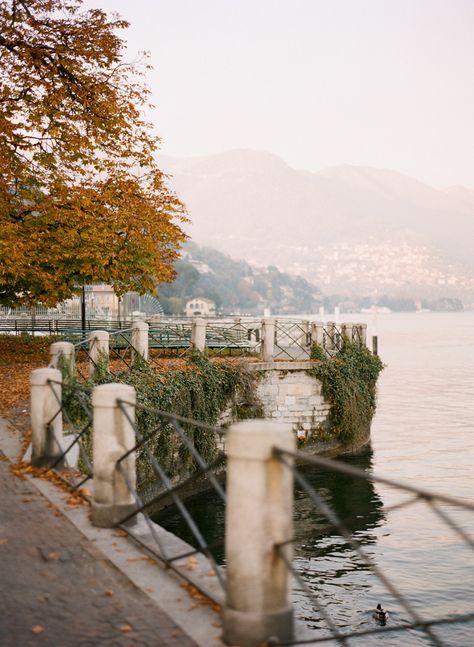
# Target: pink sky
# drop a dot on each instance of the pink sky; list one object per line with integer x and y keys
{"x": 384, "y": 83}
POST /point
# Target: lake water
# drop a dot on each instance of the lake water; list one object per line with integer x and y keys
{"x": 423, "y": 434}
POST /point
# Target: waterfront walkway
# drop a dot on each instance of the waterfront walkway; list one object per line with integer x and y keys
{"x": 57, "y": 589}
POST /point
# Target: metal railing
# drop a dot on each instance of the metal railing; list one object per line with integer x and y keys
{"x": 122, "y": 352}
{"x": 293, "y": 460}
{"x": 293, "y": 339}
{"x": 170, "y": 338}
{"x": 70, "y": 329}
{"x": 238, "y": 335}
{"x": 63, "y": 434}
{"x": 182, "y": 438}
{"x": 148, "y": 457}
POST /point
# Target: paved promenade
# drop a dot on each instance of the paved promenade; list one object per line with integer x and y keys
{"x": 56, "y": 588}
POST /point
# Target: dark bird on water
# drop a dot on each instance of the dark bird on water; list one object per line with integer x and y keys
{"x": 380, "y": 614}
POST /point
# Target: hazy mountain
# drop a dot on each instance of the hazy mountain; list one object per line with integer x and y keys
{"x": 345, "y": 227}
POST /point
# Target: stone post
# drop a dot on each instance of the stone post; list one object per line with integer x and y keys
{"x": 113, "y": 436}
{"x": 306, "y": 333}
{"x": 46, "y": 417}
{"x": 198, "y": 334}
{"x": 317, "y": 333}
{"x": 268, "y": 339}
{"x": 98, "y": 349}
{"x": 259, "y": 515}
{"x": 62, "y": 356}
{"x": 346, "y": 330}
{"x": 140, "y": 339}
{"x": 363, "y": 334}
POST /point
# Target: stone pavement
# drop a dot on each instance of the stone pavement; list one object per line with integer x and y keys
{"x": 58, "y": 590}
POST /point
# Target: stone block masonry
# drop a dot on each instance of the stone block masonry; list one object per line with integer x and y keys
{"x": 290, "y": 394}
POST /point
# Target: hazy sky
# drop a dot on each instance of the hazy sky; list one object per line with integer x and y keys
{"x": 385, "y": 83}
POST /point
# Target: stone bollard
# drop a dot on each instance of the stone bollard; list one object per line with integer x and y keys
{"x": 317, "y": 333}
{"x": 268, "y": 339}
{"x": 140, "y": 339}
{"x": 306, "y": 333}
{"x": 62, "y": 356}
{"x": 346, "y": 331}
{"x": 113, "y": 436}
{"x": 98, "y": 349}
{"x": 46, "y": 417}
{"x": 198, "y": 334}
{"x": 259, "y": 491}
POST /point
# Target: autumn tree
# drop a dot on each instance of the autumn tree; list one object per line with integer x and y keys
{"x": 81, "y": 197}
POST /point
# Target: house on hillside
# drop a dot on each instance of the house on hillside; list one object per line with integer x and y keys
{"x": 200, "y": 307}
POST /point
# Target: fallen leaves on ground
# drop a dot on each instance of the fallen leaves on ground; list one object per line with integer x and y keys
{"x": 73, "y": 498}
{"x": 19, "y": 355}
{"x": 191, "y": 564}
{"x": 37, "y": 629}
{"x": 142, "y": 558}
{"x": 200, "y": 598}
{"x": 3, "y": 541}
{"x": 125, "y": 628}
{"x": 120, "y": 533}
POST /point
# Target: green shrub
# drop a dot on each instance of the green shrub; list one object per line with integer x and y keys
{"x": 201, "y": 391}
{"x": 349, "y": 385}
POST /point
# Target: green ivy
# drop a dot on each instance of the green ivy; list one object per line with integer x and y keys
{"x": 349, "y": 385}
{"x": 201, "y": 391}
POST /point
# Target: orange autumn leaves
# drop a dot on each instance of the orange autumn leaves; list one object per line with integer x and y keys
{"x": 18, "y": 357}
{"x": 81, "y": 197}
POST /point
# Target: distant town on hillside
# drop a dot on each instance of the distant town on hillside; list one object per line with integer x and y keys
{"x": 350, "y": 230}
{"x": 237, "y": 287}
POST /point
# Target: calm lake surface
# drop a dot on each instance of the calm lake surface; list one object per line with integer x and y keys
{"x": 423, "y": 434}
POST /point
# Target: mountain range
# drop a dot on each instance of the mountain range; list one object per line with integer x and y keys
{"x": 349, "y": 229}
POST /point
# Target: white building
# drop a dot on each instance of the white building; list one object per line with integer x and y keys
{"x": 200, "y": 307}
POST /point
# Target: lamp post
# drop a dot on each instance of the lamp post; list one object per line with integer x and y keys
{"x": 83, "y": 307}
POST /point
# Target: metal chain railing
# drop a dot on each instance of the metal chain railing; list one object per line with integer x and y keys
{"x": 227, "y": 336}
{"x": 292, "y": 460}
{"x": 333, "y": 340}
{"x": 292, "y": 339}
{"x": 169, "y": 338}
{"x": 172, "y": 455}
{"x": 185, "y": 444}
{"x": 83, "y": 358}
{"x": 73, "y": 428}
{"x": 121, "y": 350}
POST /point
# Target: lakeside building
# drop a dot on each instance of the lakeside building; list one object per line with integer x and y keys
{"x": 200, "y": 306}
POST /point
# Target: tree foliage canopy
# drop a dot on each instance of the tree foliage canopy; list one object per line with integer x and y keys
{"x": 81, "y": 196}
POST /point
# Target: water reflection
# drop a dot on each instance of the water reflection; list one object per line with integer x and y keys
{"x": 422, "y": 434}
{"x": 207, "y": 510}
{"x": 344, "y": 584}
{"x": 325, "y": 559}
{"x": 354, "y": 501}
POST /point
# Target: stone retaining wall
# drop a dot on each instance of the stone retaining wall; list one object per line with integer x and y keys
{"x": 289, "y": 394}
